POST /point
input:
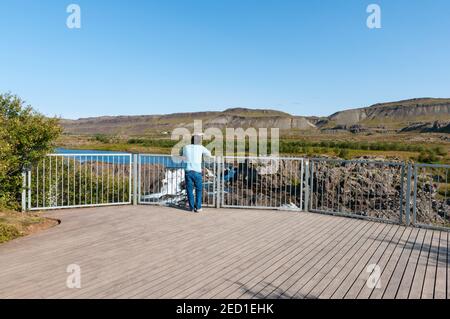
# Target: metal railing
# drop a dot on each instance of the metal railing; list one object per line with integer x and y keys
{"x": 79, "y": 180}
{"x": 262, "y": 182}
{"x": 357, "y": 188}
{"x": 162, "y": 181}
{"x": 393, "y": 192}
{"x": 431, "y": 199}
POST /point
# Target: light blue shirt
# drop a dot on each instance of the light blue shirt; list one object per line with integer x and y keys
{"x": 193, "y": 155}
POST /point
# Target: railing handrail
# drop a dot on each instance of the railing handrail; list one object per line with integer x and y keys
{"x": 265, "y": 157}
{"x": 317, "y": 159}
{"x": 89, "y": 154}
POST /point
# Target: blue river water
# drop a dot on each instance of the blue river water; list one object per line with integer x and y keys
{"x": 118, "y": 157}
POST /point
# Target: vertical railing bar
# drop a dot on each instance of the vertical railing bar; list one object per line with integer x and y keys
{"x": 74, "y": 180}
{"x": 103, "y": 180}
{"x": 50, "y": 184}
{"x": 43, "y": 184}
{"x": 62, "y": 181}
{"x": 96, "y": 180}
{"x": 37, "y": 185}
{"x": 23, "y": 191}
{"x": 91, "y": 166}
{"x": 135, "y": 178}
{"x": 139, "y": 167}
{"x": 249, "y": 182}
{"x": 408, "y": 195}
{"x": 415, "y": 195}
{"x": 80, "y": 169}
{"x": 56, "y": 180}
{"x": 445, "y": 197}
{"x": 29, "y": 188}
{"x": 302, "y": 170}
{"x": 311, "y": 192}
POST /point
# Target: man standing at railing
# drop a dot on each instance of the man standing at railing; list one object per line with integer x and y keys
{"x": 193, "y": 154}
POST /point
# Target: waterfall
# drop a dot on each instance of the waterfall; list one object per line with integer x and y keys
{"x": 171, "y": 186}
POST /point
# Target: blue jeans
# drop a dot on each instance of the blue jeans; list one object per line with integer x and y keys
{"x": 194, "y": 179}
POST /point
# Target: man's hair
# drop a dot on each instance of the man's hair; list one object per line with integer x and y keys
{"x": 196, "y": 139}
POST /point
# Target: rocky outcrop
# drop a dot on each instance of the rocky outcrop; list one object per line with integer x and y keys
{"x": 401, "y": 111}
{"x": 428, "y": 127}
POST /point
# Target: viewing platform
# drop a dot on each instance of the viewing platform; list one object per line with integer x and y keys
{"x": 159, "y": 252}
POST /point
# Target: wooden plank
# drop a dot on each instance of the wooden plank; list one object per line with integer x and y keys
{"x": 305, "y": 264}
{"x": 430, "y": 273}
{"x": 384, "y": 257}
{"x": 276, "y": 284}
{"x": 360, "y": 289}
{"x": 126, "y": 248}
{"x": 322, "y": 264}
{"x": 210, "y": 286}
{"x": 326, "y": 287}
{"x": 316, "y": 288}
{"x": 387, "y": 269}
{"x": 237, "y": 281}
{"x": 155, "y": 252}
{"x": 420, "y": 271}
{"x": 268, "y": 249}
{"x": 359, "y": 267}
{"x": 440, "y": 291}
{"x": 408, "y": 275}
{"x": 167, "y": 264}
{"x": 394, "y": 281}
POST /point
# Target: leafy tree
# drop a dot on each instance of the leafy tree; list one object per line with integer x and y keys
{"x": 4, "y": 163}
{"x": 25, "y": 137}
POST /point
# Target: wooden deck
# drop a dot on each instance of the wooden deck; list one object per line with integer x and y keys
{"x": 155, "y": 252}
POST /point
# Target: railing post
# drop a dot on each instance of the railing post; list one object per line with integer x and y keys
{"x": 135, "y": 179}
{"x": 402, "y": 190}
{"x": 415, "y": 195}
{"x": 307, "y": 186}
{"x": 29, "y": 189}
{"x": 408, "y": 196}
{"x": 218, "y": 179}
{"x": 311, "y": 184}
{"x": 24, "y": 191}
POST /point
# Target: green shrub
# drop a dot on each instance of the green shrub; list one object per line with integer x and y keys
{"x": 344, "y": 153}
{"x": 102, "y": 138}
{"x": 25, "y": 137}
{"x": 8, "y": 232}
{"x": 428, "y": 157}
{"x": 439, "y": 150}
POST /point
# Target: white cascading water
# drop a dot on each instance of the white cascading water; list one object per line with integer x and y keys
{"x": 171, "y": 185}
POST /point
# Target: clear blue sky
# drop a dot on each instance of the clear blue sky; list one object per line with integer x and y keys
{"x": 146, "y": 57}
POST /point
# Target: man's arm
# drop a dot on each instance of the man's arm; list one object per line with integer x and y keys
{"x": 206, "y": 152}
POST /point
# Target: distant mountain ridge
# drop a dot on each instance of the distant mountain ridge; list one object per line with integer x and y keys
{"x": 395, "y": 113}
{"x": 398, "y": 116}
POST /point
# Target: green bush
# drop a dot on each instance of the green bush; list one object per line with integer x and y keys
{"x": 428, "y": 157}
{"x": 344, "y": 153}
{"x": 102, "y": 138}
{"x": 8, "y": 232}
{"x": 25, "y": 137}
